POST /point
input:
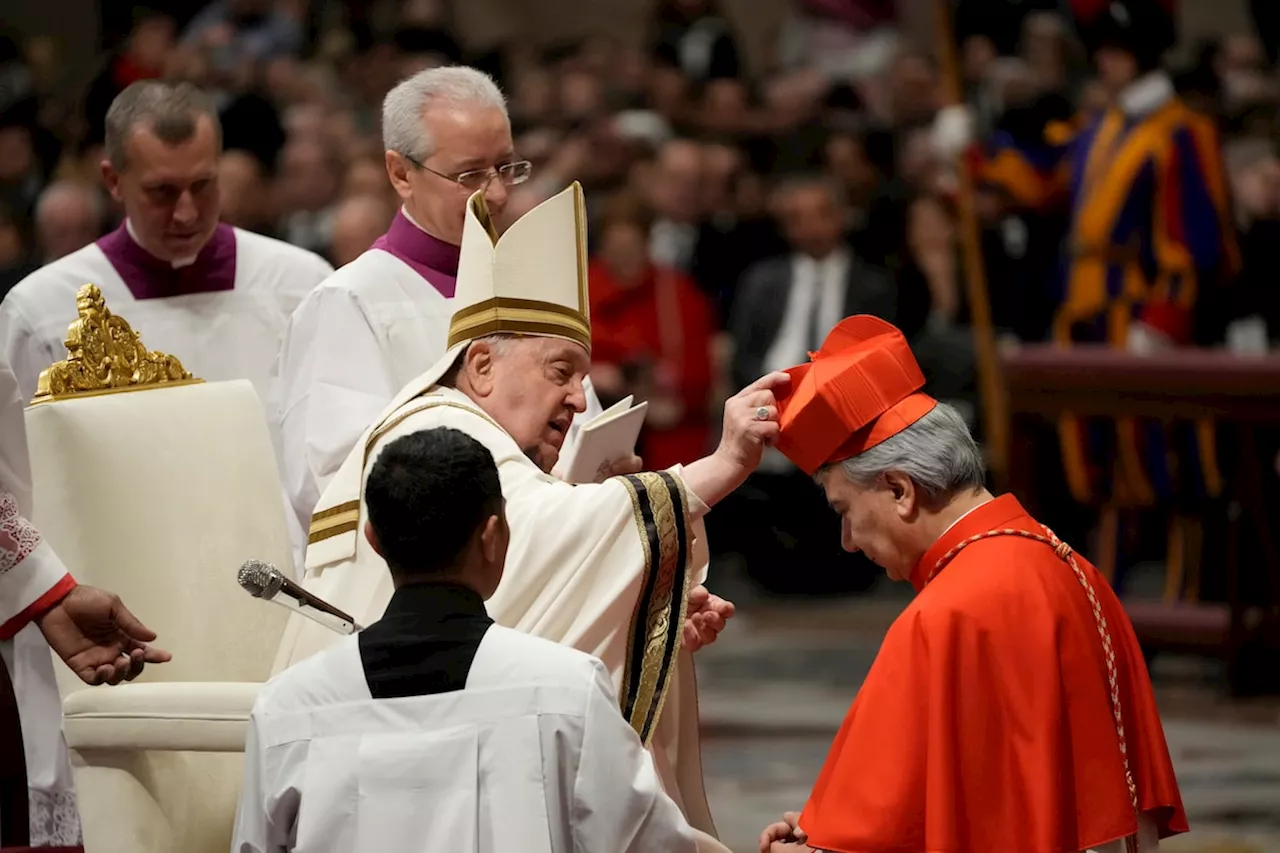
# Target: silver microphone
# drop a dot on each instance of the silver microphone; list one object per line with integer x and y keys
{"x": 265, "y": 581}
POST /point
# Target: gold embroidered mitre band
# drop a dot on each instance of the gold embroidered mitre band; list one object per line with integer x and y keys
{"x": 105, "y": 355}
{"x": 530, "y": 281}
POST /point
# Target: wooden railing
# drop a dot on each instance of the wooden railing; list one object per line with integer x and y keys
{"x": 1241, "y": 393}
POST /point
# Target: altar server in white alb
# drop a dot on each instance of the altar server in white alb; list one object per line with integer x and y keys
{"x": 188, "y": 284}
{"x": 381, "y": 320}
{"x": 42, "y": 606}
{"x": 606, "y": 568}
{"x": 434, "y": 729}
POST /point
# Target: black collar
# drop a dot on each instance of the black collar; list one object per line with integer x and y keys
{"x": 426, "y": 641}
{"x": 430, "y": 601}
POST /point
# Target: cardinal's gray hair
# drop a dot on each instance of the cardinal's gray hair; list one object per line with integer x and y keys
{"x": 454, "y": 85}
{"x": 937, "y": 452}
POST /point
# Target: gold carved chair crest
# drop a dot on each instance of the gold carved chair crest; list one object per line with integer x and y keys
{"x": 104, "y": 355}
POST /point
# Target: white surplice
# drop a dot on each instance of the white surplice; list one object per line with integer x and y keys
{"x": 352, "y": 344}
{"x": 604, "y": 568}
{"x": 30, "y": 576}
{"x": 531, "y": 756}
{"x": 218, "y": 335}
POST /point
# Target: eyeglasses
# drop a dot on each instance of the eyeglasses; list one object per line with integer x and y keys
{"x": 476, "y": 180}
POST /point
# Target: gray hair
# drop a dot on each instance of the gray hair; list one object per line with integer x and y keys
{"x": 937, "y": 452}
{"x": 454, "y": 85}
{"x": 499, "y": 344}
{"x": 169, "y": 110}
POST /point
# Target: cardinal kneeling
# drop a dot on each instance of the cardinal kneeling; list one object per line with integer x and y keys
{"x": 1009, "y": 707}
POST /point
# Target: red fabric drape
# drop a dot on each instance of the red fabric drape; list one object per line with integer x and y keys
{"x": 666, "y": 321}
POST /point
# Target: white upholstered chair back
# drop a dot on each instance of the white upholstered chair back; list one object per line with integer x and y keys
{"x": 159, "y": 494}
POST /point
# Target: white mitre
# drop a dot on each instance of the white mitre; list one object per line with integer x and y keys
{"x": 530, "y": 281}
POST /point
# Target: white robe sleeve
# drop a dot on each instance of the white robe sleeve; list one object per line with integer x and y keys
{"x": 31, "y": 575}
{"x": 618, "y": 802}
{"x": 271, "y": 795}
{"x": 333, "y": 382}
{"x": 23, "y": 351}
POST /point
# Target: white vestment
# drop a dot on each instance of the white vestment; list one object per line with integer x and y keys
{"x": 353, "y": 343}
{"x": 531, "y": 756}
{"x": 218, "y": 335}
{"x": 604, "y": 568}
{"x": 373, "y": 327}
{"x": 29, "y": 572}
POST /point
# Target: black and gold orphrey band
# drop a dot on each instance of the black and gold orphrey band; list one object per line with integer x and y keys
{"x": 661, "y": 512}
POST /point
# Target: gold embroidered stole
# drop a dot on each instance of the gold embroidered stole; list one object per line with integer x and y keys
{"x": 653, "y": 642}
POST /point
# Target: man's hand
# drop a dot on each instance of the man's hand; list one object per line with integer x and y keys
{"x": 618, "y": 467}
{"x": 751, "y": 420}
{"x": 705, "y": 618}
{"x": 750, "y": 425}
{"x": 784, "y": 836}
{"x": 98, "y": 638}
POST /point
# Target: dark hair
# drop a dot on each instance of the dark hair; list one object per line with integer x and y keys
{"x": 428, "y": 494}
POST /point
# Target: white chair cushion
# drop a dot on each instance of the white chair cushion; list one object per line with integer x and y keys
{"x": 193, "y": 716}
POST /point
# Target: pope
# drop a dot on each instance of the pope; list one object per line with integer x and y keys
{"x": 615, "y": 568}
{"x": 1009, "y": 707}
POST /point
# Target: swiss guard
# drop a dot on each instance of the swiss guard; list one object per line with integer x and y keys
{"x": 1150, "y": 234}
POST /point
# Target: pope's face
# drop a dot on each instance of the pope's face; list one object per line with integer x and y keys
{"x": 872, "y": 521}
{"x": 169, "y": 192}
{"x": 532, "y": 386}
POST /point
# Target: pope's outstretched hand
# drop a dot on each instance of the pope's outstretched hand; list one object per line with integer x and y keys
{"x": 751, "y": 420}
{"x": 750, "y": 425}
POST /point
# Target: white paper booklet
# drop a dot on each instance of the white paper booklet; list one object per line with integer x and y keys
{"x": 609, "y": 436}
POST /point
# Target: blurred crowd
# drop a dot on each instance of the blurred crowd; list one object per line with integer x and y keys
{"x": 719, "y": 190}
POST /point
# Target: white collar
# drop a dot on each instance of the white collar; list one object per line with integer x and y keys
{"x": 1147, "y": 94}
{"x": 409, "y": 216}
{"x": 838, "y": 256}
{"x": 178, "y": 264}
{"x": 963, "y": 516}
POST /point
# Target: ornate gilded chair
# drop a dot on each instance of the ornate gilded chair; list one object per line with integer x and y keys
{"x": 155, "y": 485}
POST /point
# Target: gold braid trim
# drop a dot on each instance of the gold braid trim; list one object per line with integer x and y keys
{"x": 661, "y": 510}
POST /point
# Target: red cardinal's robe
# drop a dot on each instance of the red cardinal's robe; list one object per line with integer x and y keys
{"x": 986, "y": 722}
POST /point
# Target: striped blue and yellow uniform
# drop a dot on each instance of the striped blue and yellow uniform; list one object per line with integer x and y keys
{"x": 1150, "y": 225}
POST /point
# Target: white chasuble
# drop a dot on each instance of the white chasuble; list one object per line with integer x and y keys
{"x": 223, "y": 315}
{"x": 529, "y": 754}
{"x": 604, "y": 568}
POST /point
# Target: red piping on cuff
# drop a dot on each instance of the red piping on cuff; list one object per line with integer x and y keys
{"x": 38, "y": 608}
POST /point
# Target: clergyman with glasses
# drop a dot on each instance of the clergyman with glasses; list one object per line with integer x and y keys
{"x": 382, "y": 319}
